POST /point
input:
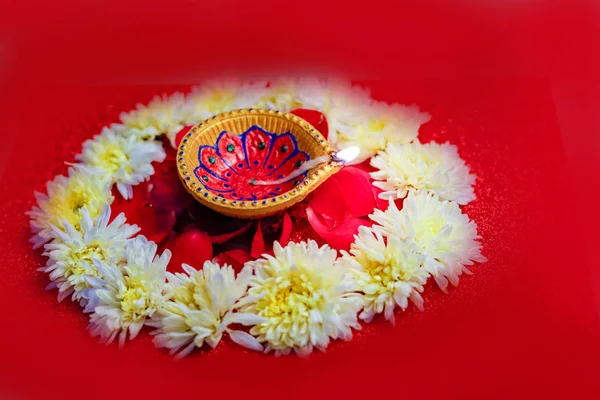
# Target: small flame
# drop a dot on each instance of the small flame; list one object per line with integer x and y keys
{"x": 348, "y": 154}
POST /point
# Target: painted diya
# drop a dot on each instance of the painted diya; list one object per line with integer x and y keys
{"x": 253, "y": 163}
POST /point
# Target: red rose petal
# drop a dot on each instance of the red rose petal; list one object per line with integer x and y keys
{"x": 315, "y": 118}
{"x": 236, "y": 258}
{"x": 258, "y": 242}
{"x": 164, "y": 223}
{"x": 356, "y": 185}
{"x": 286, "y": 230}
{"x": 328, "y": 200}
{"x": 193, "y": 247}
{"x": 342, "y": 236}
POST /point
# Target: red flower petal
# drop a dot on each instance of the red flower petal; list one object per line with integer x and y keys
{"x": 236, "y": 258}
{"x": 161, "y": 226}
{"x": 286, "y": 230}
{"x": 179, "y": 136}
{"x": 258, "y": 242}
{"x": 340, "y": 237}
{"x": 153, "y": 224}
{"x": 167, "y": 193}
{"x": 347, "y": 193}
{"x": 315, "y": 118}
{"x": 328, "y": 200}
{"x": 220, "y": 239}
{"x": 356, "y": 185}
{"x": 193, "y": 247}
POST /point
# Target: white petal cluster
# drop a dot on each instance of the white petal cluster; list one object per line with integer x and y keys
{"x": 373, "y": 126}
{"x": 436, "y": 168}
{"x": 218, "y": 96}
{"x": 124, "y": 298}
{"x": 201, "y": 306}
{"x": 439, "y": 232}
{"x": 126, "y": 160}
{"x": 72, "y": 253}
{"x": 67, "y": 197}
{"x": 388, "y": 274}
{"x": 305, "y": 299}
{"x": 165, "y": 114}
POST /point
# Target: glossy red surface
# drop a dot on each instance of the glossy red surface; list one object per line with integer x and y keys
{"x": 513, "y": 85}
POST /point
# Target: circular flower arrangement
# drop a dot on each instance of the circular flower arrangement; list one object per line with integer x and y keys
{"x": 125, "y": 240}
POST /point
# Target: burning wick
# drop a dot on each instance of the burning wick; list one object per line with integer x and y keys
{"x": 343, "y": 156}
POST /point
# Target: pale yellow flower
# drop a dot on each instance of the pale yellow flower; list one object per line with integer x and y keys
{"x": 126, "y": 160}
{"x": 201, "y": 306}
{"x": 439, "y": 232}
{"x": 125, "y": 297}
{"x": 66, "y": 197}
{"x": 305, "y": 299}
{"x": 373, "y": 125}
{"x": 388, "y": 272}
{"x": 433, "y": 167}
{"x": 166, "y": 114}
{"x": 71, "y": 253}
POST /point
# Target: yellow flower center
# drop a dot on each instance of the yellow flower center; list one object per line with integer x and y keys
{"x": 383, "y": 276}
{"x": 113, "y": 158}
{"x": 286, "y": 305}
{"x": 294, "y": 296}
{"x": 136, "y": 302}
{"x": 82, "y": 257}
{"x": 381, "y": 273}
{"x": 376, "y": 125}
{"x": 69, "y": 205}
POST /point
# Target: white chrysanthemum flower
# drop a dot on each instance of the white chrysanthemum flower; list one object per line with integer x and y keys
{"x": 380, "y": 123}
{"x": 305, "y": 299}
{"x": 434, "y": 167}
{"x": 126, "y": 160}
{"x": 125, "y": 297}
{"x": 166, "y": 114}
{"x": 201, "y": 307}
{"x": 218, "y": 96}
{"x": 66, "y": 198}
{"x": 71, "y": 253}
{"x": 389, "y": 274}
{"x": 439, "y": 231}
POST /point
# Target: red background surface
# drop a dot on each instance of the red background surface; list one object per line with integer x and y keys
{"x": 515, "y": 86}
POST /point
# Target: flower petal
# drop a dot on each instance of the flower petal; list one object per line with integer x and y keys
{"x": 245, "y": 339}
{"x": 258, "y": 242}
{"x": 236, "y": 258}
{"x": 340, "y": 237}
{"x": 358, "y": 190}
{"x": 286, "y": 230}
{"x": 193, "y": 247}
{"x": 328, "y": 200}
